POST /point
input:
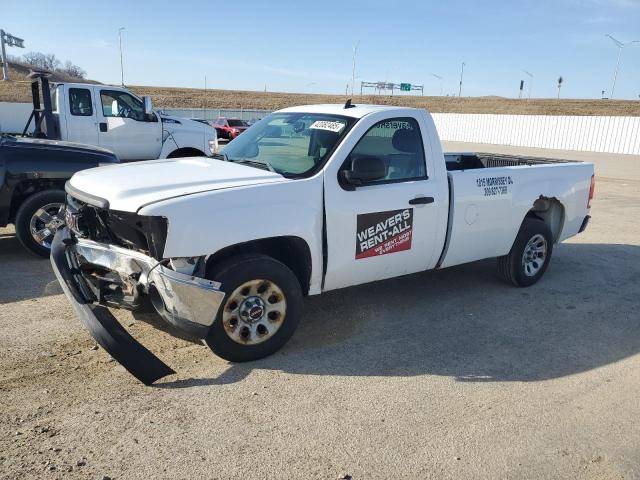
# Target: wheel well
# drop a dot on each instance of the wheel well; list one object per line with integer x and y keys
{"x": 292, "y": 251}
{"x": 186, "y": 152}
{"x": 25, "y": 189}
{"x": 551, "y": 211}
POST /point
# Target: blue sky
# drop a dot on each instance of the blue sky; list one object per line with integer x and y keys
{"x": 303, "y": 46}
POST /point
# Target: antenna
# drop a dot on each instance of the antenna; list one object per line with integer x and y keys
{"x": 348, "y": 104}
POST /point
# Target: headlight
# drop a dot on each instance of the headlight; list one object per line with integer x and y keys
{"x": 235, "y": 130}
{"x": 213, "y": 146}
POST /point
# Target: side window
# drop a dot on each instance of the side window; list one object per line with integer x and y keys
{"x": 398, "y": 142}
{"x": 121, "y": 104}
{"x": 80, "y": 102}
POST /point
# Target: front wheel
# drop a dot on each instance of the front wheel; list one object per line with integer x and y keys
{"x": 530, "y": 254}
{"x": 37, "y": 220}
{"x": 261, "y": 308}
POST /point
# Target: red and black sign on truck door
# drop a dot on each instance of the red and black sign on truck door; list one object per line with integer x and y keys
{"x": 380, "y": 233}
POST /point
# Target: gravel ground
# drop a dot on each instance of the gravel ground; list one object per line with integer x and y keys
{"x": 448, "y": 374}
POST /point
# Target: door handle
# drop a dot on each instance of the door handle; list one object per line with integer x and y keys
{"x": 421, "y": 200}
{"x": 103, "y": 126}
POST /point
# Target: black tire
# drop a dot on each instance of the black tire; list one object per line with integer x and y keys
{"x": 511, "y": 267}
{"x": 236, "y": 272}
{"x": 25, "y": 213}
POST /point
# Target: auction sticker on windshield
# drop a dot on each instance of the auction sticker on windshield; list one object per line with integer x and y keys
{"x": 335, "y": 127}
{"x": 380, "y": 233}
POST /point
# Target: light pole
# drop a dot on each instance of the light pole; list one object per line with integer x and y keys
{"x": 530, "y": 82}
{"x": 439, "y": 78}
{"x": 121, "y": 64}
{"x": 353, "y": 68}
{"x": 620, "y": 46}
{"x": 461, "y": 75}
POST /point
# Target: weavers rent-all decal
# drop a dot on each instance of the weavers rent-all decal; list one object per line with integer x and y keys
{"x": 380, "y": 233}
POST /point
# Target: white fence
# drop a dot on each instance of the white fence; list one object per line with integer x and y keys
{"x": 590, "y": 134}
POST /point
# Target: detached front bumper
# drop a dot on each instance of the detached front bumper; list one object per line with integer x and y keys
{"x": 94, "y": 276}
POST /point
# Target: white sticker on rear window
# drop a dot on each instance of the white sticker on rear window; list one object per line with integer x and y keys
{"x": 327, "y": 125}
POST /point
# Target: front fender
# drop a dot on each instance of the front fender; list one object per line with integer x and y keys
{"x": 205, "y": 223}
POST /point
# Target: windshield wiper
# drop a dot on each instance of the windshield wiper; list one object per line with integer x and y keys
{"x": 253, "y": 163}
{"x": 221, "y": 156}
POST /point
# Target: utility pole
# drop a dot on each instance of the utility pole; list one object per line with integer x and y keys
{"x": 620, "y": 46}
{"x": 439, "y": 78}
{"x": 8, "y": 40}
{"x": 121, "y": 63}
{"x": 530, "y": 82}
{"x": 560, "y": 80}
{"x": 461, "y": 75}
{"x": 353, "y": 68}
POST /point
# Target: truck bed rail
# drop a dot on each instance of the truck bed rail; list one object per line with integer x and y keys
{"x": 472, "y": 161}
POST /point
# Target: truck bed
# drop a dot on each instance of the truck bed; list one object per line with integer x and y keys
{"x": 490, "y": 194}
{"x": 473, "y": 161}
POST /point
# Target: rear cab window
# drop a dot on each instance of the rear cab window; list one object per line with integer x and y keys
{"x": 80, "y": 102}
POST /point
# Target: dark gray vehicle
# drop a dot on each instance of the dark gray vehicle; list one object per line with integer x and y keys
{"x": 32, "y": 177}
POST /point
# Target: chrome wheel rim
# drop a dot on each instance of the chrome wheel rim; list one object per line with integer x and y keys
{"x": 535, "y": 255}
{"x": 254, "y": 312}
{"x": 44, "y": 223}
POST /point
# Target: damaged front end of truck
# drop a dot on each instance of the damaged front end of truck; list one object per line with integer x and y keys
{"x": 105, "y": 258}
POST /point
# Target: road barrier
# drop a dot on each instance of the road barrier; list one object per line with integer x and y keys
{"x": 581, "y": 133}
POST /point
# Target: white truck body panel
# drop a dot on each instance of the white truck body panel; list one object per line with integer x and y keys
{"x": 485, "y": 226}
{"x": 343, "y": 208}
{"x": 131, "y": 186}
{"x": 128, "y": 138}
{"x": 211, "y": 205}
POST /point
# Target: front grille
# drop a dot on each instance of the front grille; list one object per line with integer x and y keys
{"x": 142, "y": 233}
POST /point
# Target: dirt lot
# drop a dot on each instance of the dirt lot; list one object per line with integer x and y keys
{"x": 18, "y": 91}
{"x": 448, "y": 374}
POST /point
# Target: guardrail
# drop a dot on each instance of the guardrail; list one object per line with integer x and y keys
{"x": 213, "y": 113}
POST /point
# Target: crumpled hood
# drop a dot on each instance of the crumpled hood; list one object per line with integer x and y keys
{"x": 130, "y": 186}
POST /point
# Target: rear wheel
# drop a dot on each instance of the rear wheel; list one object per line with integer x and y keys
{"x": 37, "y": 220}
{"x": 530, "y": 254}
{"x": 261, "y": 308}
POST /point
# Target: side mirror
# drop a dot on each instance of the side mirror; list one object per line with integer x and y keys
{"x": 148, "y": 105}
{"x": 364, "y": 170}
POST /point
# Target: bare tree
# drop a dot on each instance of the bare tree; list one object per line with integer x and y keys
{"x": 35, "y": 59}
{"x": 43, "y": 61}
{"x": 51, "y": 62}
{"x": 73, "y": 70}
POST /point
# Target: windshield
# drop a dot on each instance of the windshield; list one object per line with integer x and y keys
{"x": 288, "y": 143}
{"x": 237, "y": 123}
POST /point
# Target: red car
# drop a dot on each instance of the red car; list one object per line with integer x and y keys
{"x": 229, "y": 128}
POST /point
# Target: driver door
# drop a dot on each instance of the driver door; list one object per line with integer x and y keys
{"x": 125, "y": 129}
{"x": 387, "y": 227}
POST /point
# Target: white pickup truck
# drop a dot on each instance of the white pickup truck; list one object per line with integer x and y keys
{"x": 307, "y": 200}
{"x": 114, "y": 118}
